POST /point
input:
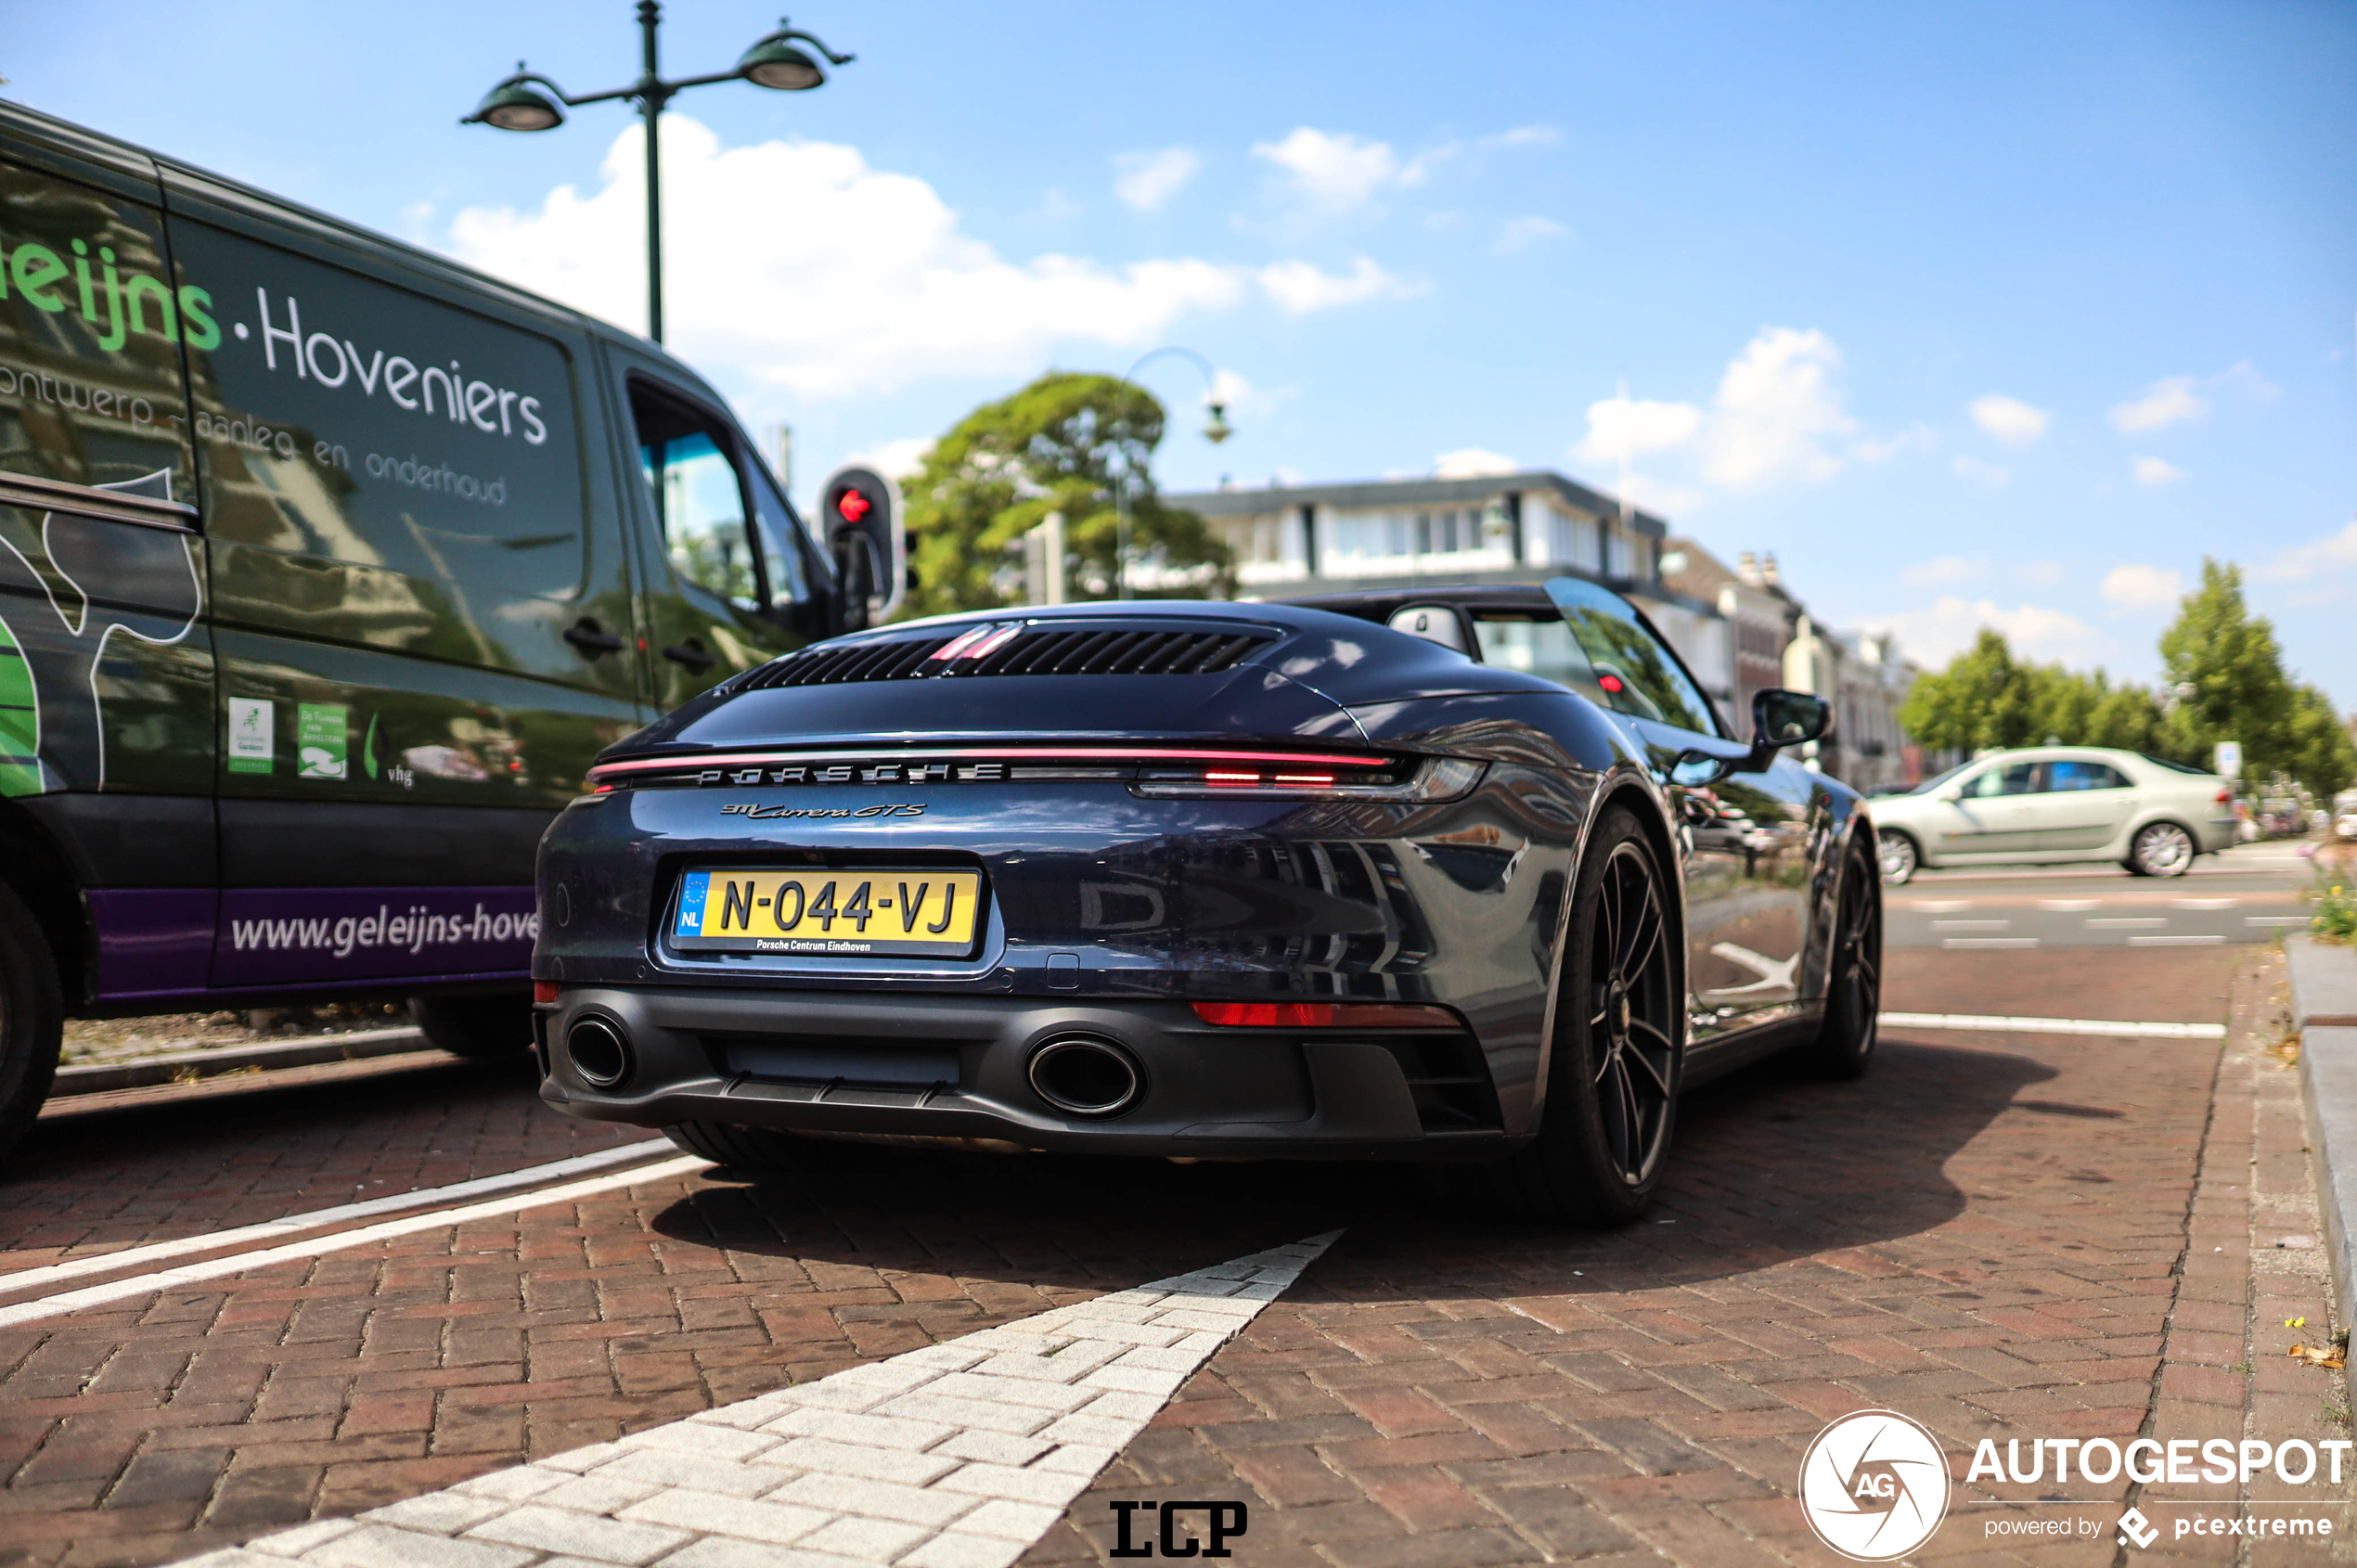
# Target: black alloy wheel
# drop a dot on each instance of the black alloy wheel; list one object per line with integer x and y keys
{"x": 1618, "y": 1050}
{"x": 1844, "y": 1046}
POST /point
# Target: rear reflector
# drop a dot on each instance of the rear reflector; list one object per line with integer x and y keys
{"x": 544, "y": 990}
{"x": 1325, "y": 1015}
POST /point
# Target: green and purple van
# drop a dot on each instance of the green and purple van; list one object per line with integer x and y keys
{"x": 326, "y": 565}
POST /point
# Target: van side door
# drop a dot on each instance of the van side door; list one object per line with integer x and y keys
{"x": 422, "y": 630}
{"x": 729, "y": 578}
{"x": 106, "y": 661}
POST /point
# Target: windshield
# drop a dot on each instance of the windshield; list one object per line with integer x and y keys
{"x": 1937, "y": 779}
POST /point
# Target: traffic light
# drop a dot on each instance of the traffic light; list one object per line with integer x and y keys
{"x": 860, "y": 511}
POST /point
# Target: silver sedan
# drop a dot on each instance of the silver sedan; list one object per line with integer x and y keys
{"x": 2053, "y": 804}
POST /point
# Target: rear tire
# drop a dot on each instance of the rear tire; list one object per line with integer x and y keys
{"x": 33, "y": 1022}
{"x": 476, "y": 1027}
{"x": 743, "y": 1148}
{"x": 1619, "y": 1042}
{"x": 2161, "y": 849}
{"x": 1844, "y": 1046}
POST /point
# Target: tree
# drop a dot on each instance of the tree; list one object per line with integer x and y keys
{"x": 1059, "y": 445}
{"x": 2317, "y": 750}
{"x": 1982, "y": 700}
{"x": 2228, "y": 676}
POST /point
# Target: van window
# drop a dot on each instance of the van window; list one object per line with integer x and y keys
{"x": 748, "y": 555}
{"x": 91, "y": 324}
{"x": 347, "y": 417}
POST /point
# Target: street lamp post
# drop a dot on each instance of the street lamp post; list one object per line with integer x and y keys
{"x": 518, "y": 104}
{"x": 1215, "y": 430}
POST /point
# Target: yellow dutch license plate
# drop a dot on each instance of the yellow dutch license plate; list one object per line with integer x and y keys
{"x": 862, "y": 912}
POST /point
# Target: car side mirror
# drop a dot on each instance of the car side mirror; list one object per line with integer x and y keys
{"x": 1781, "y": 718}
{"x": 1694, "y": 769}
{"x": 1950, "y": 796}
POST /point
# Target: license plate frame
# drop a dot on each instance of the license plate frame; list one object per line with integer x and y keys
{"x": 841, "y": 912}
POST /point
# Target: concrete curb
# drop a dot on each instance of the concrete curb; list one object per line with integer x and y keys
{"x": 179, "y": 1066}
{"x": 2323, "y": 1006}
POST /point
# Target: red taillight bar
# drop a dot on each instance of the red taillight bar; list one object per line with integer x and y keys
{"x": 1019, "y": 753}
{"x": 1326, "y": 1015}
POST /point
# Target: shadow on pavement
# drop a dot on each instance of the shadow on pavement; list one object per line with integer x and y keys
{"x": 1767, "y": 1166}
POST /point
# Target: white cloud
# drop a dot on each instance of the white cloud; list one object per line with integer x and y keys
{"x": 2008, "y": 418}
{"x": 1942, "y": 569}
{"x": 798, "y": 267}
{"x": 1149, "y": 179}
{"x": 2165, "y": 402}
{"x": 2039, "y": 573}
{"x": 1946, "y": 627}
{"x": 1301, "y": 286}
{"x": 2333, "y": 552}
{"x": 2154, "y": 472}
{"x": 2132, "y": 585}
{"x": 898, "y": 458}
{"x": 1662, "y": 497}
{"x": 1331, "y": 171}
{"x": 1520, "y": 234}
{"x": 1620, "y": 426}
{"x": 1915, "y": 438}
{"x": 1471, "y": 462}
{"x": 1995, "y": 475}
{"x": 1775, "y": 403}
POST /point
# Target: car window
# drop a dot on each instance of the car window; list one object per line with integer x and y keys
{"x": 2013, "y": 778}
{"x": 686, "y": 458}
{"x": 2071, "y": 774}
{"x": 1621, "y": 663}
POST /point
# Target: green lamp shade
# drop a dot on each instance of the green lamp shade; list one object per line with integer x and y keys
{"x": 515, "y": 105}
{"x": 773, "y": 62}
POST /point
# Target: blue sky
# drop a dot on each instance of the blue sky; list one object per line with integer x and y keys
{"x": 2004, "y": 313}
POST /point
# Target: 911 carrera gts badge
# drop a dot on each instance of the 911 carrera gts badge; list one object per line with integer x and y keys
{"x": 765, "y": 813}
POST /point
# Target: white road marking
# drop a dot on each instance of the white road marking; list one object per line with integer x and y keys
{"x": 2204, "y": 903}
{"x": 2127, "y": 923}
{"x": 1938, "y": 906}
{"x": 2174, "y": 941}
{"x": 2275, "y": 919}
{"x": 957, "y": 1455}
{"x": 531, "y": 1176}
{"x": 1989, "y": 942}
{"x": 2069, "y": 905}
{"x": 1775, "y": 974}
{"x": 317, "y": 1246}
{"x": 2055, "y": 1026}
{"x": 1970, "y": 925}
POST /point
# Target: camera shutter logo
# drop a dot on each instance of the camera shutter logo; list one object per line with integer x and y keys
{"x": 1873, "y": 1486}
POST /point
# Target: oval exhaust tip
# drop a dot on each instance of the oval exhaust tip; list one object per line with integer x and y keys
{"x": 1086, "y": 1076}
{"x": 598, "y": 1052}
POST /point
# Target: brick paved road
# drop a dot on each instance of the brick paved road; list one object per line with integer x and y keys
{"x": 1987, "y": 1233}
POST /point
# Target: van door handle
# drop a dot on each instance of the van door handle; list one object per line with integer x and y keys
{"x": 691, "y": 654}
{"x": 592, "y": 639}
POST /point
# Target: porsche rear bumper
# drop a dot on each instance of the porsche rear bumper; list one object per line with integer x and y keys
{"x": 961, "y": 1067}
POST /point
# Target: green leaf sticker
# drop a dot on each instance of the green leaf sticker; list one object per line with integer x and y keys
{"x": 19, "y": 721}
{"x": 322, "y": 739}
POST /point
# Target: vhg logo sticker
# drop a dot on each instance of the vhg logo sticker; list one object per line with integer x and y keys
{"x": 1873, "y": 1486}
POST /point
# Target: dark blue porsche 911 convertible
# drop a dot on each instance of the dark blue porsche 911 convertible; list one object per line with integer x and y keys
{"x": 1466, "y": 874}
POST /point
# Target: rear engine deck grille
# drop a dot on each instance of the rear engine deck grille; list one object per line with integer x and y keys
{"x": 1036, "y": 649}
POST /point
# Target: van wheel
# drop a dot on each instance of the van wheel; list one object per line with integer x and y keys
{"x": 745, "y": 1148}
{"x": 476, "y": 1027}
{"x": 33, "y": 1023}
{"x": 1899, "y": 858}
{"x": 2161, "y": 849}
{"x": 1619, "y": 1048}
{"x": 1853, "y": 1001}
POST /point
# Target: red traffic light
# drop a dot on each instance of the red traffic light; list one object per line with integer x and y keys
{"x": 854, "y": 505}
